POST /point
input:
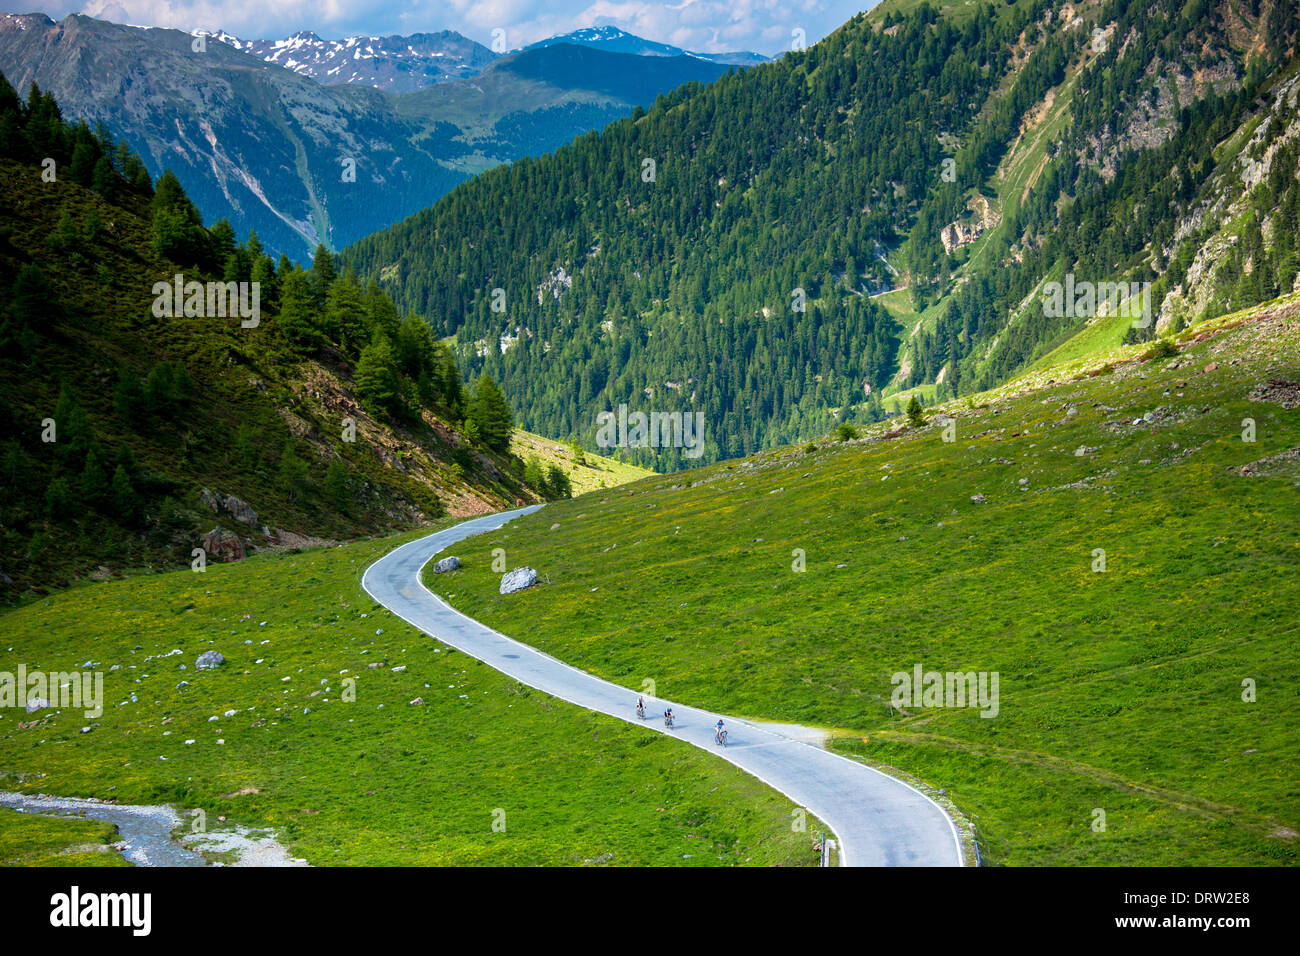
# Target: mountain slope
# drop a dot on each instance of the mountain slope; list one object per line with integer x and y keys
{"x": 130, "y": 438}
{"x": 956, "y": 161}
{"x": 304, "y": 163}
{"x": 1113, "y": 542}
{"x": 613, "y": 40}
{"x": 398, "y": 64}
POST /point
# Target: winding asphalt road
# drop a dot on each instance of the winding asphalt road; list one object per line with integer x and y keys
{"x": 877, "y": 819}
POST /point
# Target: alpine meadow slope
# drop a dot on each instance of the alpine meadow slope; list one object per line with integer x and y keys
{"x": 1112, "y": 539}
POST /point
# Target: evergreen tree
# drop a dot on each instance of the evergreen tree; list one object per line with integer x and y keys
{"x": 292, "y": 478}
{"x": 322, "y": 275}
{"x": 178, "y": 232}
{"x": 490, "y": 413}
{"x": 94, "y": 485}
{"x": 377, "y": 379}
{"x": 915, "y": 413}
{"x": 557, "y": 482}
{"x": 297, "y": 318}
{"x": 58, "y": 499}
{"x": 123, "y": 499}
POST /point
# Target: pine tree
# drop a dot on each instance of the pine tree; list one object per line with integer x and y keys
{"x": 94, "y": 485}
{"x": 534, "y": 477}
{"x": 178, "y": 232}
{"x": 58, "y": 499}
{"x": 377, "y": 379}
{"x": 128, "y": 395}
{"x": 297, "y": 318}
{"x": 557, "y": 482}
{"x": 123, "y": 499}
{"x": 293, "y": 474}
{"x": 491, "y": 414}
{"x": 345, "y": 313}
{"x": 323, "y": 273}
{"x": 915, "y": 413}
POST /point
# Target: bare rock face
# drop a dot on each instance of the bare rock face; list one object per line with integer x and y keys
{"x": 518, "y": 580}
{"x": 959, "y": 233}
{"x": 237, "y": 508}
{"x": 241, "y": 511}
{"x": 223, "y": 543}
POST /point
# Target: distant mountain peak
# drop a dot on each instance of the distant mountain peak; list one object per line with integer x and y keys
{"x": 616, "y": 40}
{"x": 398, "y": 64}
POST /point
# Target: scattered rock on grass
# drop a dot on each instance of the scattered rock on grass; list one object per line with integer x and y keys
{"x": 518, "y": 580}
{"x": 208, "y": 660}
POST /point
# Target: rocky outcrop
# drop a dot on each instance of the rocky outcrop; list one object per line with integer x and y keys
{"x": 224, "y": 544}
{"x": 237, "y": 508}
{"x": 958, "y": 234}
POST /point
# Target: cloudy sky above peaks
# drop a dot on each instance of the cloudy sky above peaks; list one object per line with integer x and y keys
{"x": 706, "y": 26}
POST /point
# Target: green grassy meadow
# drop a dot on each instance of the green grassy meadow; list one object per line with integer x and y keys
{"x": 31, "y": 840}
{"x": 1121, "y": 690}
{"x": 373, "y": 781}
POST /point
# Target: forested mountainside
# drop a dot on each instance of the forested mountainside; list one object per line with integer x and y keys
{"x": 288, "y": 407}
{"x": 877, "y": 214}
{"x": 304, "y": 163}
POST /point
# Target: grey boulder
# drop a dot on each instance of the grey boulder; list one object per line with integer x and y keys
{"x": 446, "y": 564}
{"x": 518, "y": 580}
{"x": 207, "y": 660}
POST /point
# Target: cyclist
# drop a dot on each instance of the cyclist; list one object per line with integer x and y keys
{"x": 718, "y": 730}
{"x": 640, "y": 707}
{"x": 668, "y": 717}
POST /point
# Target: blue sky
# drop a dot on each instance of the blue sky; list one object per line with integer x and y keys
{"x": 707, "y": 26}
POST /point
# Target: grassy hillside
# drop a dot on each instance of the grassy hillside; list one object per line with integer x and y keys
{"x": 128, "y": 438}
{"x": 376, "y": 780}
{"x": 586, "y": 471}
{"x": 1121, "y": 689}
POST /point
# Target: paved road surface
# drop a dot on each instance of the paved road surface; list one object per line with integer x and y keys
{"x": 877, "y": 820}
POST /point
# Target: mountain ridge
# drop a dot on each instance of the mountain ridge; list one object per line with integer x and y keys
{"x": 866, "y": 221}
{"x": 303, "y": 163}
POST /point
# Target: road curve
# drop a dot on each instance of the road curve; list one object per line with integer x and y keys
{"x": 877, "y": 819}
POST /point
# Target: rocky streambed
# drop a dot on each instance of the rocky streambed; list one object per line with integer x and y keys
{"x": 146, "y": 832}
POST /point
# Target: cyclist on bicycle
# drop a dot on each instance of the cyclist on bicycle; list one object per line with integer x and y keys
{"x": 719, "y": 729}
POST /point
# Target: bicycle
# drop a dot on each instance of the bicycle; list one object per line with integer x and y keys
{"x": 668, "y": 720}
{"x": 720, "y": 738}
{"x": 640, "y": 711}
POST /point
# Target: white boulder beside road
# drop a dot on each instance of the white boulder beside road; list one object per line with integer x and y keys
{"x": 518, "y": 580}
